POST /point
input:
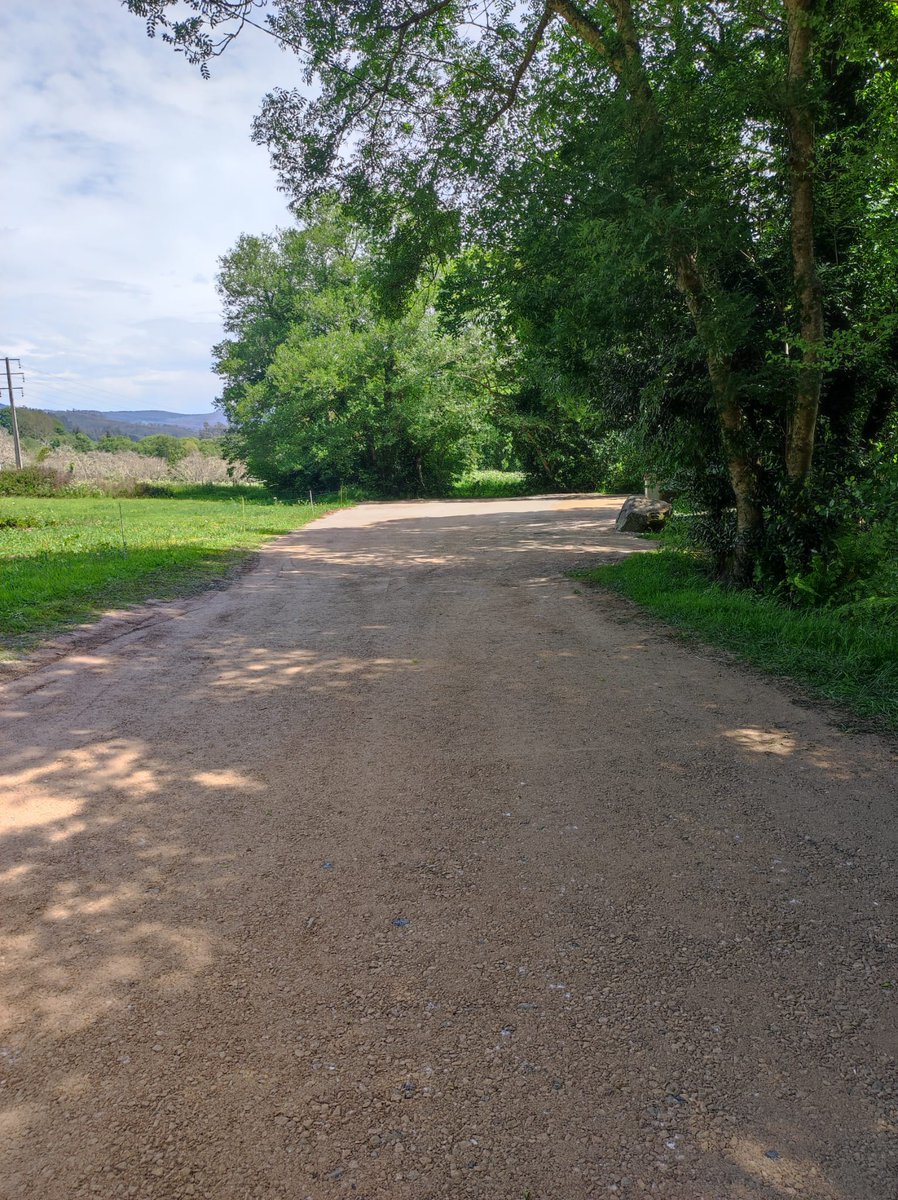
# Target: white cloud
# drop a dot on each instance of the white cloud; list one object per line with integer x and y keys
{"x": 127, "y": 177}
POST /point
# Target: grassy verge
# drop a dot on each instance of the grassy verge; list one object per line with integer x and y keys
{"x": 848, "y": 658}
{"x": 63, "y": 560}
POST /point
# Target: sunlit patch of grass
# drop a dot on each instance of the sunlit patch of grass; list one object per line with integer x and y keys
{"x": 489, "y": 485}
{"x": 65, "y": 560}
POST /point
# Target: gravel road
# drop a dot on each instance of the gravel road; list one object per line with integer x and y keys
{"x": 407, "y": 867}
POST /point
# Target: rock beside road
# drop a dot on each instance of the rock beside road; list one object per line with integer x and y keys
{"x": 639, "y": 514}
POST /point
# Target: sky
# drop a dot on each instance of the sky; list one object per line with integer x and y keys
{"x": 126, "y": 177}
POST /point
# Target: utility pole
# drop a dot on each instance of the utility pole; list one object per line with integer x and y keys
{"x": 17, "y": 446}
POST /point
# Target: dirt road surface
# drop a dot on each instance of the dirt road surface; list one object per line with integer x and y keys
{"x": 407, "y": 867}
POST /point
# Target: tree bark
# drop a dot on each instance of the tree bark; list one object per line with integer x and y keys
{"x": 800, "y": 124}
{"x": 741, "y": 466}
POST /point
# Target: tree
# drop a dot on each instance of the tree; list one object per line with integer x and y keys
{"x": 323, "y": 389}
{"x": 712, "y": 112}
{"x": 164, "y": 445}
{"x": 76, "y": 441}
{"x": 115, "y": 443}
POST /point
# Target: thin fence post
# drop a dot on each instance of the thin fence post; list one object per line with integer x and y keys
{"x": 121, "y": 521}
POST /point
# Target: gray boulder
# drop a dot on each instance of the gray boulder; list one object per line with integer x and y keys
{"x": 642, "y": 515}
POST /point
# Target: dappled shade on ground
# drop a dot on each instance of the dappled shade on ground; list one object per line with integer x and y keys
{"x": 403, "y": 865}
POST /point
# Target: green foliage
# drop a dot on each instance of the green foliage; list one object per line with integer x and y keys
{"x": 322, "y": 389}
{"x": 114, "y": 443}
{"x": 837, "y": 542}
{"x": 623, "y": 461}
{"x": 163, "y": 445}
{"x": 569, "y": 200}
{"x": 175, "y": 490}
{"x": 64, "y": 559}
{"x": 74, "y": 441}
{"x": 490, "y": 485}
{"x": 853, "y": 565}
{"x": 30, "y": 481}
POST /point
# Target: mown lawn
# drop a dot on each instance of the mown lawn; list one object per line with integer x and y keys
{"x": 63, "y": 560}
{"x": 850, "y": 658}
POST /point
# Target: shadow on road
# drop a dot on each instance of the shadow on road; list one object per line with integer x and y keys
{"x": 637, "y": 917}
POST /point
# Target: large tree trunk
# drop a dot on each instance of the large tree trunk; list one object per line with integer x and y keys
{"x": 800, "y": 123}
{"x": 739, "y": 570}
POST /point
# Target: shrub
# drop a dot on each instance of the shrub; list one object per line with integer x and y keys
{"x": 115, "y": 443}
{"x": 164, "y": 445}
{"x": 30, "y": 481}
{"x": 100, "y": 468}
{"x": 620, "y": 463}
{"x": 198, "y": 467}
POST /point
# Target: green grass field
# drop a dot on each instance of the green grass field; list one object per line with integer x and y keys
{"x": 62, "y": 561}
{"x": 850, "y": 658}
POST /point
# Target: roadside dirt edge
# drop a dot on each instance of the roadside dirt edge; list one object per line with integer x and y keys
{"x": 116, "y": 622}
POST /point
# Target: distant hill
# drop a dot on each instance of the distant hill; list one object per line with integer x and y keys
{"x": 139, "y": 424}
{"x": 32, "y": 422}
{"x": 157, "y": 416}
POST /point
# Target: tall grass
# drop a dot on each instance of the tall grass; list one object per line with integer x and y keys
{"x": 489, "y": 485}
{"x": 174, "y": 490}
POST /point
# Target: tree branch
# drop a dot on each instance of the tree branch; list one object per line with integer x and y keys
{"x": 586, "y": 29}
{"x": 532, "y": 46}
{"x": 415, "y": 18}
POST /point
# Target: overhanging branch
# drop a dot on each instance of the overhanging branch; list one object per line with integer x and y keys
{"x": 586, "y": 29}
{"x": 533, "y": 45}
{"x": 415, "y": 18}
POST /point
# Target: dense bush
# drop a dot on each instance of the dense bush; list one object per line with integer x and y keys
{"x": 833, "y": 546}
{"x": 115, "y": 444}
{"x": 31, "y": 481}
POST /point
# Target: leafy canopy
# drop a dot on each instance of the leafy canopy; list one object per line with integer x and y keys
{"x": 321, "y": 388}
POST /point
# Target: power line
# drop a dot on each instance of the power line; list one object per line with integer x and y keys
{"x": 78, "y": 388}
{"x": 49, "y": 383}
